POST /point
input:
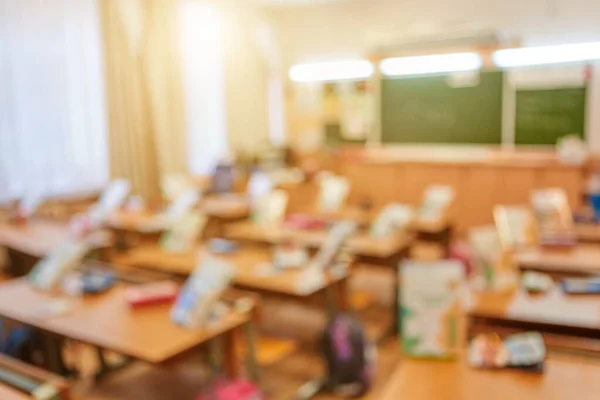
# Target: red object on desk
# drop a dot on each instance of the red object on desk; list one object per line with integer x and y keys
{"x": 152, "y": 293}
{"x": 462, "y": 253}
{"x": 305, "y": 222}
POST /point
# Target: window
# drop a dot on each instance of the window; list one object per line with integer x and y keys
{"x": 52, "y": 104}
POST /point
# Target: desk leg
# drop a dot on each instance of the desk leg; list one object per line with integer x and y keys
{"x": 342, "y": 294}
{"x": 446, "y": 239}
{"x": 214, "y": 228}
{"x": 52, "y": 353}
{"x": 230, "y": 355}
{"x": 396, "y": 328}
{"x": 251, "y": 352}
{"x": 215, "y": 356}
{"x": 120, "y": 240}
{"x": 330, "y": 302}
{"x": 397, "y": 308}
{"x": 105, "y": 367}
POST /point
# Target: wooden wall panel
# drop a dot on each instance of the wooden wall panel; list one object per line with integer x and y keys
{"x": 479, "y": 185}
{"x": 378, "y": 183}
{"x": 477, "y": 197}
{"x": 569, "y": 179}
{"x": 418, "y": 177}
{"x": 513, "y": 185}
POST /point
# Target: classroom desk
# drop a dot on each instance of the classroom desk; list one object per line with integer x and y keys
{"x": 565, "y": 377}
{"x": 107, "y": 322}
{"x": 361, "y": 216}
{"x": 223, "y": 209}
{"x": 582, "y": 259}
{"x": 29, "y": 372}
{"x": 361, "y": 244}
{"x": 247, "y": 262}
{"x": 385, "y": 252}
{"x": 439, "y": 231}
{"x": 27, "y": 243}
{"x": 35, "y": 237}
{"x": 220, "y": 209}
{"x": 566, "y": 321}
{"x": 124, "y": 225}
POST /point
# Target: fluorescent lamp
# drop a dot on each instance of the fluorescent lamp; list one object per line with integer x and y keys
{"x": 546, "y": 55}
{"x": 331, "y": 71}
{"x": 433, "y": 64}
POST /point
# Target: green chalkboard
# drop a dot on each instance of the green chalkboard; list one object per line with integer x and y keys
{"x": 430, "y": 110}
{"x": 543, "y": 116}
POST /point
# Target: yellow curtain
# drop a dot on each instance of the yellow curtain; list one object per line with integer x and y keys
{"x": 144, "y": 91}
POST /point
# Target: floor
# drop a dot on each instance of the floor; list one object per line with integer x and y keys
{"x": 184, "y": 380}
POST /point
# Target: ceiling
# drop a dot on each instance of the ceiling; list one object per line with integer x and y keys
{"x": 291, "y": 3}
{"x": 361, "y": 26}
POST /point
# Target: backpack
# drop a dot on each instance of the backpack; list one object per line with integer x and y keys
{"x": 19, "y": 343}
{"x": 349, "y": 356}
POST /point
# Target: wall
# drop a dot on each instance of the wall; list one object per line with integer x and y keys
{"x": 372, "y": 27}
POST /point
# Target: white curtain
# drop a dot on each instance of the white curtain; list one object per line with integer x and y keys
{"x": 268, "y": 46}
{"x": 53, "y": 126}
{"x": 203, "y": 68}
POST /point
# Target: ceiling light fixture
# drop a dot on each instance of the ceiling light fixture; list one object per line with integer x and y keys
{"x": 432, "y": 64}
{"x": 565, "y": 53}
{"x": 331, "y": 71}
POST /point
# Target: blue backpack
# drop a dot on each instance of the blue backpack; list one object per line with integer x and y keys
{"x": 349, "y": 355}
{"x": 19, "y": 343}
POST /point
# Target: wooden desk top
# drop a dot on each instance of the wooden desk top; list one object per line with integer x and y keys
{"x": 361, "y": 244}
{"x": 247, "y": 262}
{"x": 218, "y": 206}
{"x": 588, "y": 232}
{"x": 225, "y": 206}
{"x": 107, "y": 321}
{"x": 583, "y": 258}
{"x": 36, "y": 237}
{"x": 352, "y": 213}
{"x": 142, "y": 222}
{"x": 552, "y": 308}
{"x": 565, "y": 377}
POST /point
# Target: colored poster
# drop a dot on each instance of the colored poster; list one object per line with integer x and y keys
{"x": 430, "y": 304}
